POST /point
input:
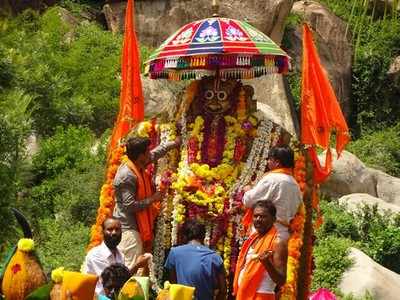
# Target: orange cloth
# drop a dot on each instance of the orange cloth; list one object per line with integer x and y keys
{"x": 131, "y": 105}
{"x": 144, "y": 218}
{"x": 247, "y": 219}
{"x": 81, "y": 286}
{"x": 320, "y": 110}
{"x": 254, "y": 271}
{"x": 260, "y": 296}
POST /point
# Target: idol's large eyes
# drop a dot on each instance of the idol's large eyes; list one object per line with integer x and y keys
{"x": 222, "y": 95}
{"x": 209, "y": 94}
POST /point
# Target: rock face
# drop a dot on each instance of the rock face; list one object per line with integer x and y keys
{"x": 349, "y": 175}
{"x": 368, "y": 276}
{"x": 354, "y": 201}
{"x": 271, "y": 94}
{"x": 161, "y": 96}
{"x": 387, "y": 187}
{"x": 157, "y": 19}
{"x": 13, "y": 7}
{"x": 394, "y": 71}
{"x": 334, "y": 48}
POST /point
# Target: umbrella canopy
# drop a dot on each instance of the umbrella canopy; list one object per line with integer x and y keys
{"x": 228, "y": 48}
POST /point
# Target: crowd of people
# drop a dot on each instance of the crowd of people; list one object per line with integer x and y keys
{"x": 261, "y": 267}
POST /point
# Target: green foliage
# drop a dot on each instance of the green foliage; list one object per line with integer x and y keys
{"x": 377, "y": 234}
{"x": 331, "y": 261}
{"x": 337, "y": 223}
{"x": 376, "y": 41}
{"x": 65, "y": 150}
{"x": 62, "y": 244}
{"x": 380, "y": 237}
{"x": 70, "y": 70}
{"x": 14, "y": 128}
{"x": 70, "y": 174}
{"x": 380, "y": 149}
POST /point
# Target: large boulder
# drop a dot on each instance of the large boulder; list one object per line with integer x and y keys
{"x": 387, "y": 187}
{"x": 157, "y": 19}
{"x": 367, "y": 276}
{"x": 161, "y": 96}
{"x": 333, "y": 42}
{"x": 349, "y": 175}
{"x": 273, "y": 98}
{"x": 354, "y": 202}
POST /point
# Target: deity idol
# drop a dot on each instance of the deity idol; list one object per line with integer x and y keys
{"x": 225, "y": 143}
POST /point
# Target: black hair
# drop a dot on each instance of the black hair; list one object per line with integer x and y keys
{"x": 268, "y": 205}
{"x": 114, "y": 277}
{"x": 284, "y": 155}
{"x": 194, "y": 230}
{"x": 109, "y": 218}
{"x": 135, "y": 146}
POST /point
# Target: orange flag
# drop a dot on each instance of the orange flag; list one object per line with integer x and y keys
{"x": 320, "y": 111}
{"x": 131, "y": 112}
{"x": 131, "y": 104}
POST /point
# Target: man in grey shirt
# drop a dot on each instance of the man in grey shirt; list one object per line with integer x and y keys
{"x": 126, "y": 193}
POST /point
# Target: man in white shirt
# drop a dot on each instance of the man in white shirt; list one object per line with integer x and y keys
{"x": 106, "y": 254}
{"x": 279, "y": 186}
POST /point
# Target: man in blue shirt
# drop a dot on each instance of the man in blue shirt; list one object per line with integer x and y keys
{"x": 194, "y": 264}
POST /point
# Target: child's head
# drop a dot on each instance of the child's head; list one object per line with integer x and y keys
{"x": 114, "y": 278}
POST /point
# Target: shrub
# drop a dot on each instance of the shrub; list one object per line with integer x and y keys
{"x": 62, "y": 244}
{"x": 331, "y": 261}
{"x": 380, "y": 149}
{"x": 337, "y": 223}
{"x": 14, "y": 128}
{"x": 65, "y": 150}
{"x": 71, "y": 71}
{"x": 380, "y": 236}
{"x": 377, "y": 234}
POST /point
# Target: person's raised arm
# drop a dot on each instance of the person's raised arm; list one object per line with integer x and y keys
{"x": 130, "y": 204}
{"x": 275, "y": 262}
{"x": 163, "y": 148}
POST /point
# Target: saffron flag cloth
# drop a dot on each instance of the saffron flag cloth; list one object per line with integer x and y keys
{"x": 320, "y": 111}
{"x": 131, "y": 105}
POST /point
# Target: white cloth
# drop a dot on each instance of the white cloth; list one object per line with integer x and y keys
{"x": 283, "y": 191}
{"x": 131, "y": 246}
{"x": 99, "y": 258}
{"x": 267, "y": 285}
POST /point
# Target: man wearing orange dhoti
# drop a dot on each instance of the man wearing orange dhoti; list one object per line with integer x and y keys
{"x": 261, "y": 265}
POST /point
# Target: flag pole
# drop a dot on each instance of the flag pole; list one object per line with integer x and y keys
{"x": 305, "y": 263}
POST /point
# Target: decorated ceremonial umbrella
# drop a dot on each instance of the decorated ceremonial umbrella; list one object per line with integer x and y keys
{"x": 220, "y": 47}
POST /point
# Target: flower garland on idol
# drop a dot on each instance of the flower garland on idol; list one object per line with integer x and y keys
{"x": 206, "y": 186}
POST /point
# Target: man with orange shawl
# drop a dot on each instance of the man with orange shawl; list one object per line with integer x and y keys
{"x": 261, "y": 265}
{"x": 135, "y": 196}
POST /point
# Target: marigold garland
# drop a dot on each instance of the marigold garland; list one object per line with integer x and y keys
{"x": 106, "y": 199}
{"x": 57, "y": 275}
{"x": 289, "y": 290}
